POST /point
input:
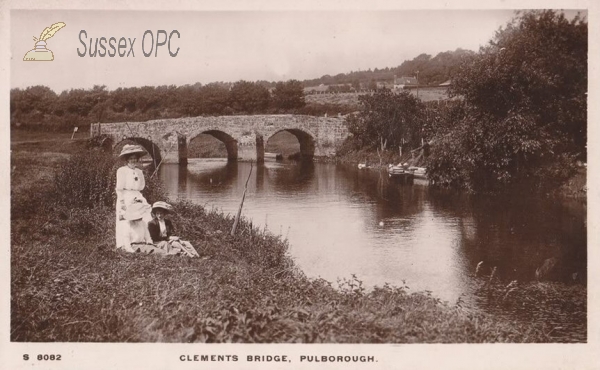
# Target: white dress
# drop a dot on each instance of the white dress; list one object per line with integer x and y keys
{"x": 130, "y": 183}
{"x": 137, "y": 232}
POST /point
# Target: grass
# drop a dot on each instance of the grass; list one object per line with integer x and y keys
{"x": 206, "y": 146}
{"x": 283, "y": 143}
{"x": 351, "y": 99}
{"x": 68, "y": 283}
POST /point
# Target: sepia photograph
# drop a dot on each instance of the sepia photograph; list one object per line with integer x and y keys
{"x": 218, "y": 186}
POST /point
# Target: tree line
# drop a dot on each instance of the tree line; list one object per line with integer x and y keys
{"x": 520, "y": 117}
{"x": 431, "y": 71}
{"x": 41, "y": 107}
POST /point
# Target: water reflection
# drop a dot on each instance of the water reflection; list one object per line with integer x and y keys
{"x": 342, "y": 221}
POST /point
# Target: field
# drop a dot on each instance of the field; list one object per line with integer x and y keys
{"x": 69, "y": 284}
{"x": 351, "y": 99}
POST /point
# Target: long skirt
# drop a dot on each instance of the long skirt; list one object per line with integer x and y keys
{"x": 122, "y": 225}
{"x": 178, "y": 247}
{"x": 165, "y": 248}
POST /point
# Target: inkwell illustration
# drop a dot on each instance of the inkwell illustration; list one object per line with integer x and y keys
{"x": 40, "y": 53}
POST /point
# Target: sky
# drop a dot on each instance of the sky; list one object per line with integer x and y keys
{"x": 235, "y": 45}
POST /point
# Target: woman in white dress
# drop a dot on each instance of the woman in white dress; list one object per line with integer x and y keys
{"x": 130, "y": 183}
{"x": 137, "y": 238}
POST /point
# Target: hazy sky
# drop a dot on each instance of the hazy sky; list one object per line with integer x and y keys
{"x": 234, "y": 45}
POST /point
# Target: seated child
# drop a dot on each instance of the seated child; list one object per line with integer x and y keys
{"x": 162, "y": 232}
{"x": 137, "y": 238}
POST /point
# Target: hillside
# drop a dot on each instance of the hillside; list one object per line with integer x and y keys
{"x": 430, "y": 71}
{"x": 351, "y": 98}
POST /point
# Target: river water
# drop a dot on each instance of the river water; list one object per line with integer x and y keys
{"x": 340, "y": 221}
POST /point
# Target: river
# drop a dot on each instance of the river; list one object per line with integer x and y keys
{"x": 340, "y": 221}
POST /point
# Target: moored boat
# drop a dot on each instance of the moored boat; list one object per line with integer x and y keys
{"x": 405, "y": 170}
{"x": 419, "y": 172}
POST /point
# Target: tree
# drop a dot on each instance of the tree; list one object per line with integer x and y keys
{"x": 289, "y": 95}
{"x": 525, "y": 97}
{"x": 214, "y": 99}
{"x": 248, "y": 97}
{"x": 34, "y": 98}
{"x": 386, "y": 119}
{"x": 100, "y": 95}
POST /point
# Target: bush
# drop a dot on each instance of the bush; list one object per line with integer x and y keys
{"x": 154, "y": 190}
{"x": 29, "y": 204}
{"x": 88, "y": 180}
{"x": 525, "y": 94}
{"x": 85, "y": 180}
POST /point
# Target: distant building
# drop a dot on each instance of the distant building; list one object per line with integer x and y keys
{"x": 402, "y": 82}
{"x": 385, "y": 84}
{"x": 316, "y": 89}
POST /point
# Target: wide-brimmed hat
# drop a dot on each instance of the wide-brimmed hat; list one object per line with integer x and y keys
{"x": 163, "y": 206}
{"x": 132, "y": 149}
{"x": 136, "y": 211}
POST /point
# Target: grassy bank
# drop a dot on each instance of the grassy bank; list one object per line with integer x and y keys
{"x": 69, "y": 284}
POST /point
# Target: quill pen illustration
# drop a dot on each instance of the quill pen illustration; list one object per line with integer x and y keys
{"x": 50, "y": 31}
{"x": 40, "y": 52}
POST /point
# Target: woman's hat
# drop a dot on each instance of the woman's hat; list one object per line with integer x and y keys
{"x": 132, "y": 149}
{"x": 162, "y": 205}
{"x": 136, "y": 211}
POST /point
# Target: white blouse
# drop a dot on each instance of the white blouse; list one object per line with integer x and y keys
{"x": 163, "y": 228}
{"x": 130, "y": 179}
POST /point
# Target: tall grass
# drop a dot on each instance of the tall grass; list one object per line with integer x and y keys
{"x": 68, "y": 283}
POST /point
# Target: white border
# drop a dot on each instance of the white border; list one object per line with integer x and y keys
{"x": 417, "y": 356}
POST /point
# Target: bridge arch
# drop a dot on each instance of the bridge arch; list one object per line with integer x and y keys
{"x": 305, "y": 139}
{"x": 318, "y": 136}
{"x": 231, "y": 144}
{"x": 150, "y": 147}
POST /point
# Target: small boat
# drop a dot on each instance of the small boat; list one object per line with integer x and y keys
{"x": 400, "y": 171}
{"x": 419, "y": 172}
{"x": 273, "y": 156}
{"x": 407, "y": 171}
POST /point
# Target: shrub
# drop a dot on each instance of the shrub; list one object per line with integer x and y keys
{"x": 88, "y": 180}
{"x": 85, "y": 180}
{"x": 154, "y": 190}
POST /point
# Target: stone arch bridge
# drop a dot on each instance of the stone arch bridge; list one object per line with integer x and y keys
{"x": 244, "y": 136}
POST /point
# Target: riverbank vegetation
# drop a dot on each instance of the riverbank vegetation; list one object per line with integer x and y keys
{"x": 69, "y": 284}
{"x": 519, "y": 120}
